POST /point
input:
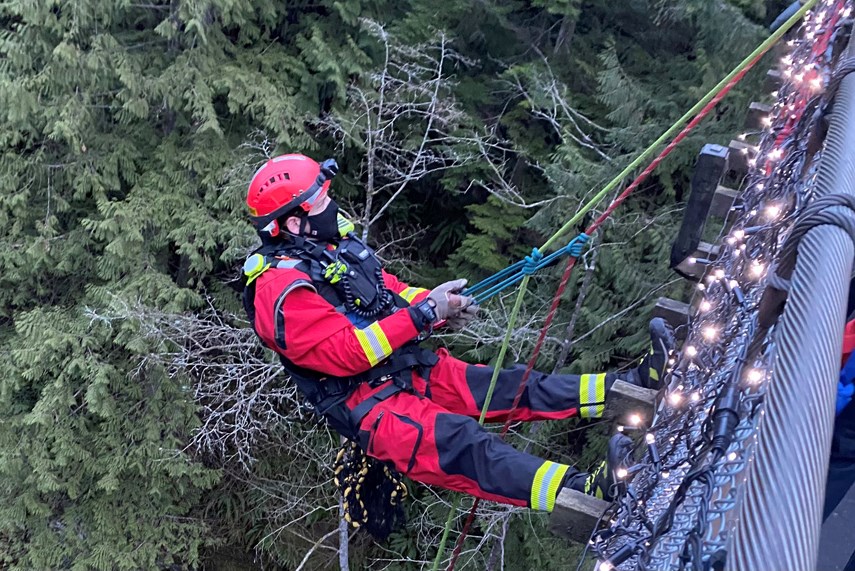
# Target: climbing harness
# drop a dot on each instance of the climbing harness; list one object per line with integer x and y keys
{"x": 349, "y": 277}
{"x": 694, "y": 116}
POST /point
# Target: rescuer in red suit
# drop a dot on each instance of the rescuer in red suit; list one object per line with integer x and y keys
{"x": 348, "y": 333}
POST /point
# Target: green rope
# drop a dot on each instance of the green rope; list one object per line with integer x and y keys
{"x": 680, "y": 122}
{"x": 763, "y": 47}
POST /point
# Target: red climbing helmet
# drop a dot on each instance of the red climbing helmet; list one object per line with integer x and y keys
{"x": 285, "y": 183}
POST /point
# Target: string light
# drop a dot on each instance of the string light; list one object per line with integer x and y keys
{"x": 754, "y": 376}
{"x": 621, "y": 473}
{"x": 773, "y": 211}
{"x": 726, "y": 309}
{"x": 635, "y": 419}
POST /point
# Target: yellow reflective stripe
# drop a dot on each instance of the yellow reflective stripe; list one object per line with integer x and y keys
{"x": 544, "y": 488}
{"x": 585, "y": 397}
{"x": 592, "y": 396}
{"x": 411, "y": 292}
{"x": 601, "y": 394}
{"x": 374, "y": 343}
{"x": 654, "y": 374}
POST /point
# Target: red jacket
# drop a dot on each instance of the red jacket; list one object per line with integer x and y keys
{"x": 319, "y": 338}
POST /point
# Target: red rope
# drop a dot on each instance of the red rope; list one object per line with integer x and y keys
{"x": 571, "y": 262}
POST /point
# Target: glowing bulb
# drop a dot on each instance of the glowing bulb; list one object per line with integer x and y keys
{"x": 739, "y": 234}
{"x": 731, "y": 241}
{"x": 773, "y": 211}
{"x": 702, "y": 287}
{"x": 719, "y": 274}
{"x": 692, "y": 260}
{"x": 755, "y": 376}
{"x": 776, "y": 154}
{"x": 691, "y": 351}
{"x": 705, "y": 306}
{"x": 635, "y": 419}
{"x": 650, "y": 438}
{"x": 621, "y": 473}
{"x": 767, "y": 121}
{"x": 606, "y": 566}
{"x": 816, "y": 83}
{"x": 666, "y": 474}
{"x": 696, "y": 397}
{"x": 733, "y": 284}
{"x": 787, "y": 60}
{"x": 752, "y": 162}
{"x": 710, "y": 333}
{"x": 799, "y": 77}
{"x": 732, "y": 456}
{"x": 675, "y": 399}
{"x": 757, "y": 269}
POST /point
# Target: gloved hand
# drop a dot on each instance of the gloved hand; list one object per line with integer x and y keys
{"x": 459, "y": 321}
{"x": 844, "y": 396}
{"x": 445, "y": 301}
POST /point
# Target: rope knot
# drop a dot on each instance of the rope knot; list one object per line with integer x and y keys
{"x": 532, "y": 261}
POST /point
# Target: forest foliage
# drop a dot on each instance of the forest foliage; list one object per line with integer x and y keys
{"x": 142, "y": 425}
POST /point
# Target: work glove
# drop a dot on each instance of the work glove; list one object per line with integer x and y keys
{"x": 446, "y": 302}
{"x": 464, "y": 316}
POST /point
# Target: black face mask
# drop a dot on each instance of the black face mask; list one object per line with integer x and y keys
{"x": 324, "y": 225}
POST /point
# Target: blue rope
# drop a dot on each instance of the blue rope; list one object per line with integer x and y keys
{"x": 534, "y": 262}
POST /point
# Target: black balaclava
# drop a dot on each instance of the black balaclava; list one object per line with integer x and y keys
{"x": 324, "y": 225}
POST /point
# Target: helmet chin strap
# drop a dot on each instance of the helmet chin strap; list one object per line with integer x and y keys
{"x": 304, "y": 224}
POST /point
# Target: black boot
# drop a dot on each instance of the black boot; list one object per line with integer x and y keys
{"x": 651, "y": 370}
{"x": 603, "y": 482}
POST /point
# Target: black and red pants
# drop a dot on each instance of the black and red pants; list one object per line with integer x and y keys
{"x": 432, "y": 435}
